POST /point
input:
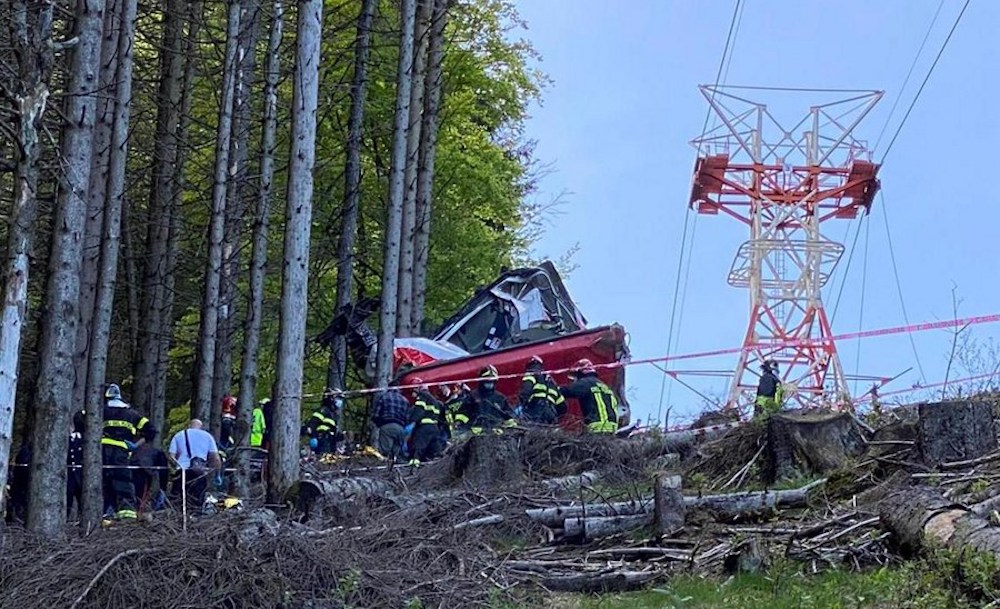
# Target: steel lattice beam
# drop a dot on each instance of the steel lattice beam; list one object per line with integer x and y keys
{"x": 784, "y": 183}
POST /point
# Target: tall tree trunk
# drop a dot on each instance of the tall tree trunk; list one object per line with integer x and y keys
{"x": 153, "y": 326}
{"x": 397, "y": 188}
{"x": 31, "y": 31}
{"x": 131, "y": 283}
{"x": 405, "y": 287}
{"x": 428, "y": 149}
{"x": 202, "y": 404}
{"x": 108, "y": 271}
{"x": 262, "y": 213}
{"x": 96, "y": 201}
{"x": 96, "y": 193}
{"x": 295, "y": 272}
{"x": 54, "y": 393}
{"x": 236, "y": 194}
{"x": 337, "y": 371}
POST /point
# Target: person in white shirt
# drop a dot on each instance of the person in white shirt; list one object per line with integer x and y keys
{"x": 195, "y": 450}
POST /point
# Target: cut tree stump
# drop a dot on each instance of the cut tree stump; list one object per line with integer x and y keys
{"x": 810, "y": 443}
{"x": 921, "y": 519}
{"x": 668, "y": 504}
{"x": 954, "y": 431}
{"x": 489, "y": 460}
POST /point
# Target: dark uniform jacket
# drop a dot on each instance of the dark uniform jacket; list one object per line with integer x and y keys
{"x": 598, "y": 403}
{"x": 123, "y": 426}
{"x": 486, "y": 408}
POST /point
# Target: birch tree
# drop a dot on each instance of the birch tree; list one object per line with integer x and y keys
{"x": 337, "y": 372}
{"x": 31, "y": 31}
{"x": 208, "y": 334}
{"x": 294, "y": 278}
{"x": 262, "y": 215}
{"x": 397, "y": 188}
{"x": 406, "y": 256}
{"x": 54, "y": 393}
{"x": 428, "y": 150}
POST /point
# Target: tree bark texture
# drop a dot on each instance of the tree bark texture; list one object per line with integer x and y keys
{"x": 56, "y": 376}
{"x": 404, "y": 290}
{"x": 425, "y": 167}
{"x": 32, "y": 32}
{"x": 284, "y": 463}
{"x": 954, "y": 431}
{"x": 924, "y": 520}
{"x": 201, "y": 405}
{"x": 810, "y": 443}
{"x": 153, "y": 327}
{"x": 337, "y": 372}
{"x": 262, "y": 216}
{"x": 397, "y": 191}
{"x": 237, "y": 194}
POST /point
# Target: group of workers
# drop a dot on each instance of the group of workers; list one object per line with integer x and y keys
{"x": 418, "y": 431}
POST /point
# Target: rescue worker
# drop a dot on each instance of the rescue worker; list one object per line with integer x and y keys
{"x": 391, "y": 414}
{"x": 428, "y": 418}
{"x": 74, "y": 464}
{"x": 227, "y": 433}
{"x": 124, "y": 430}
{"x": 322, "y": 427}
{"x": 539, "y": 394}
{"x": 598, "y": 402}
{"x": 487, "y": 409}
{"x": 457, "y": 420}
{"x": 769, "y": 391}
{"x": 257, "y": 425}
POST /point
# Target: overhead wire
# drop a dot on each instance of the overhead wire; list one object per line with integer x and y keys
{"x": 927, "y": 77}
{"x": 726, "y": 56}
{"x": 909, "y": 73}
{"x": 899, "y": 285}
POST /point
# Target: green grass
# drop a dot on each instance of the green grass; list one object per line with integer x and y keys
{"x": 907, "y": 587}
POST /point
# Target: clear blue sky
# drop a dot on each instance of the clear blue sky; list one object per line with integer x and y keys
{"x": 616, "y": 126}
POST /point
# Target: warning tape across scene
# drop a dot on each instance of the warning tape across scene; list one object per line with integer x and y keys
{"x": 960, "y": 322}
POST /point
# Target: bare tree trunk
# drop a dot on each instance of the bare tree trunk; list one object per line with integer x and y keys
{"x": 202, "y": 404}
{"x": 237, "y": 194}
{"x": 425, "y": 169}
{"x": 397, "y": 188}
{"x": 96, "y": 194}
{"x": 164, "y": 172}
{"x": 131, "y": 282}
{"x": 406, "y": 255}
{"x": 31, "y": 32}
{"x": 337, "y": 371}
{"x": 284, "y": 465}
{"x": 54, "y": 393}
{"x": 258, "y": 257}
{"x": 96, "y": 201}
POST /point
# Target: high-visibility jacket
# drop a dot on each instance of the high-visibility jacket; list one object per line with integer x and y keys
{"x": 123, "y": 426}
{"x": 257, "y": 428}
{"x": 540, "y": 398}
{"x": 322, "y": 422}
{"x": 427, "y": 411}
{"x": 598, "y": 403}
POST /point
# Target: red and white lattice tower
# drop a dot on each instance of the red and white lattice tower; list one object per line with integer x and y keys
{"x": 785, "y": 183}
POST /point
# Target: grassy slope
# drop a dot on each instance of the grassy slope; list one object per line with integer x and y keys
{"x": 908, "y": 587}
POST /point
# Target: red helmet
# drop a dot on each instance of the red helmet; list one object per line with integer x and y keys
{"x": 585, "y": 366}
{"x": 228, "y": 405}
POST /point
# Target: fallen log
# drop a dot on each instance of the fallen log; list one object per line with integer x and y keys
{"x": 642, "y": 554}
{"x": 571, "y": 483}
{"x": 617, "y": 581}
{"x": 921, "y": 518}
{"x": 597, "y": 527}
{"x": 726, "y": 505}
{"x": 335, "y": 497}
{"x": 709, "y": 432}
{"x": 668, "y": 504}
{"x": 478, "y": 522}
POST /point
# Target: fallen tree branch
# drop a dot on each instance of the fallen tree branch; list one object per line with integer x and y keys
{"x": 920, "y": 517}
{"x": 971, "y": 462}
{"x": 104, "y": 570}
{"x": 605, "y": 526}
{"x": 617, "y": 581}
{"x": 478, "y": 522}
